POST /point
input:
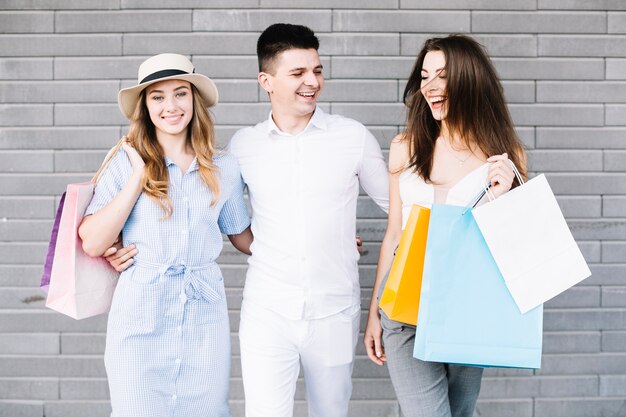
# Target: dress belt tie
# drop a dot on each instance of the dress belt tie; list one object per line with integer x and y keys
{"x": 194, "y": 287}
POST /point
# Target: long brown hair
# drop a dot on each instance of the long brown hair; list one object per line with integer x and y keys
{"x": 476, "y": 108}
{"x": 200, "y": 136}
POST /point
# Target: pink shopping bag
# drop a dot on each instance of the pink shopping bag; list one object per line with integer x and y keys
{"x": 79, "y": 285}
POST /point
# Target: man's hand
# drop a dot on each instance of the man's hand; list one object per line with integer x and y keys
{"x": 119, "y": 257}
{"x": 359, "y": 244}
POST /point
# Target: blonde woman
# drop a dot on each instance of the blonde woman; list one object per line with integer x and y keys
{"x": 172, "y": 195}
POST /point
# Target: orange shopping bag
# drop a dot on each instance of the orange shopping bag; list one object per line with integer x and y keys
{"x": 401, "y": 296}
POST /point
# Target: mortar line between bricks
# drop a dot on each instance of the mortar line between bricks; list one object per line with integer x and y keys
{"x": 601, "y": 297}
{"x": 58, "y": 396}
{"x": 537, "y": 54}
{"x": 399, "y": 42}
{"x": 602, "y": 205}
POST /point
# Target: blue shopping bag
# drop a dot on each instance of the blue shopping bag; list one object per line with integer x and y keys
{"x": 467, "y": 315}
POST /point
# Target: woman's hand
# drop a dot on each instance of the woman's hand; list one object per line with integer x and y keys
{"x": 135, "y": 160}
{"x": 99, "y": 231}
{"x": 373, "y": 338}
{"x": 500, "y": 174}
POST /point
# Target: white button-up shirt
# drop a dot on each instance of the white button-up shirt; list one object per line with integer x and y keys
{"x": 303, "y": 191}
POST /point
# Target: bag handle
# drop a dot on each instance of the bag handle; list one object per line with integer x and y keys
{"x": 491, "y": 197}
{"x": 107, "y": 159}
{"x": 517, "y": 174}
{"x": 486, "y": 188}
{"x": 478, "y": 197}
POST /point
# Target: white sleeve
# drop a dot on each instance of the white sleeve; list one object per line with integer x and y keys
{"x": 372, "y": 172}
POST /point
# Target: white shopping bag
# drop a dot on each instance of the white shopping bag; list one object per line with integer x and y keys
{"x": 531, "y": 243}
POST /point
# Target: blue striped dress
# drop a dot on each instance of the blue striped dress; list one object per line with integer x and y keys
{"x": 168, "y": 337}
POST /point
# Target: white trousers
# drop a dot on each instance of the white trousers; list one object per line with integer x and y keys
{"x": 272, "y": 348}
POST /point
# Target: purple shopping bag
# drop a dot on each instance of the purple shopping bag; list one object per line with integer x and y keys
{"x": 47, "y": 268}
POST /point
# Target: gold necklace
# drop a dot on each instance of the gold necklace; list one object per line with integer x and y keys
{"x": 450, "y": 150}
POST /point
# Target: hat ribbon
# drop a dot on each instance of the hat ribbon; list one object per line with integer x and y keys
{"x": 163, "y": 74}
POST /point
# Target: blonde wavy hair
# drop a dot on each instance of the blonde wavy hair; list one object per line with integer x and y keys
{"x": 201, "y": 138}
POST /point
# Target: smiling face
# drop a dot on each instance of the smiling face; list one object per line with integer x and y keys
{"x": 434, "y": 84}
{"x": 170, "y": 105}
{"x": 294, "y": 83}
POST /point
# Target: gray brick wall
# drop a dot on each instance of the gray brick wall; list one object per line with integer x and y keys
{"x": 563, "y": 66}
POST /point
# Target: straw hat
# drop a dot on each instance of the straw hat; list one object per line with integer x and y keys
{"x": 166, "y": 67}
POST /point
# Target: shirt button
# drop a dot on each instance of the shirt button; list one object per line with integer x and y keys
{"x": 183, "y": 297}
{"x": 185, "y": 199}
{"x": 178, "y": 360}
{"x": 179, "y": 328}
{"x": 183, "y": 232}
{"x": 174, "y": 397}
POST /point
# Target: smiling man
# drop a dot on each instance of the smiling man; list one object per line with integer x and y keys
{"x": 303, "y": 168}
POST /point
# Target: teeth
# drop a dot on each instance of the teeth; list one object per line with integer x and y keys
{"x": 306, "y": 94}
{"x": 436, "y": 99}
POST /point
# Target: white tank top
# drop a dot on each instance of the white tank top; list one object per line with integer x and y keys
{"x": 414, "y": 190}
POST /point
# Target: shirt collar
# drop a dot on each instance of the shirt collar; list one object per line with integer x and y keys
{"x": 168, "y": 161}
{"x": 318, "y": 120}
{"x": 192, "y": 167}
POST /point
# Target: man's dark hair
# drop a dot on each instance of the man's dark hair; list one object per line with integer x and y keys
{"x": 280, "y": 37}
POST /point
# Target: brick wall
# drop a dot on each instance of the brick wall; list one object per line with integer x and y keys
{"x": 563, "y": 66}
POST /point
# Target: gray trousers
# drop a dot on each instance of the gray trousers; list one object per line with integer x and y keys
{"x": 427, "y": 389}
